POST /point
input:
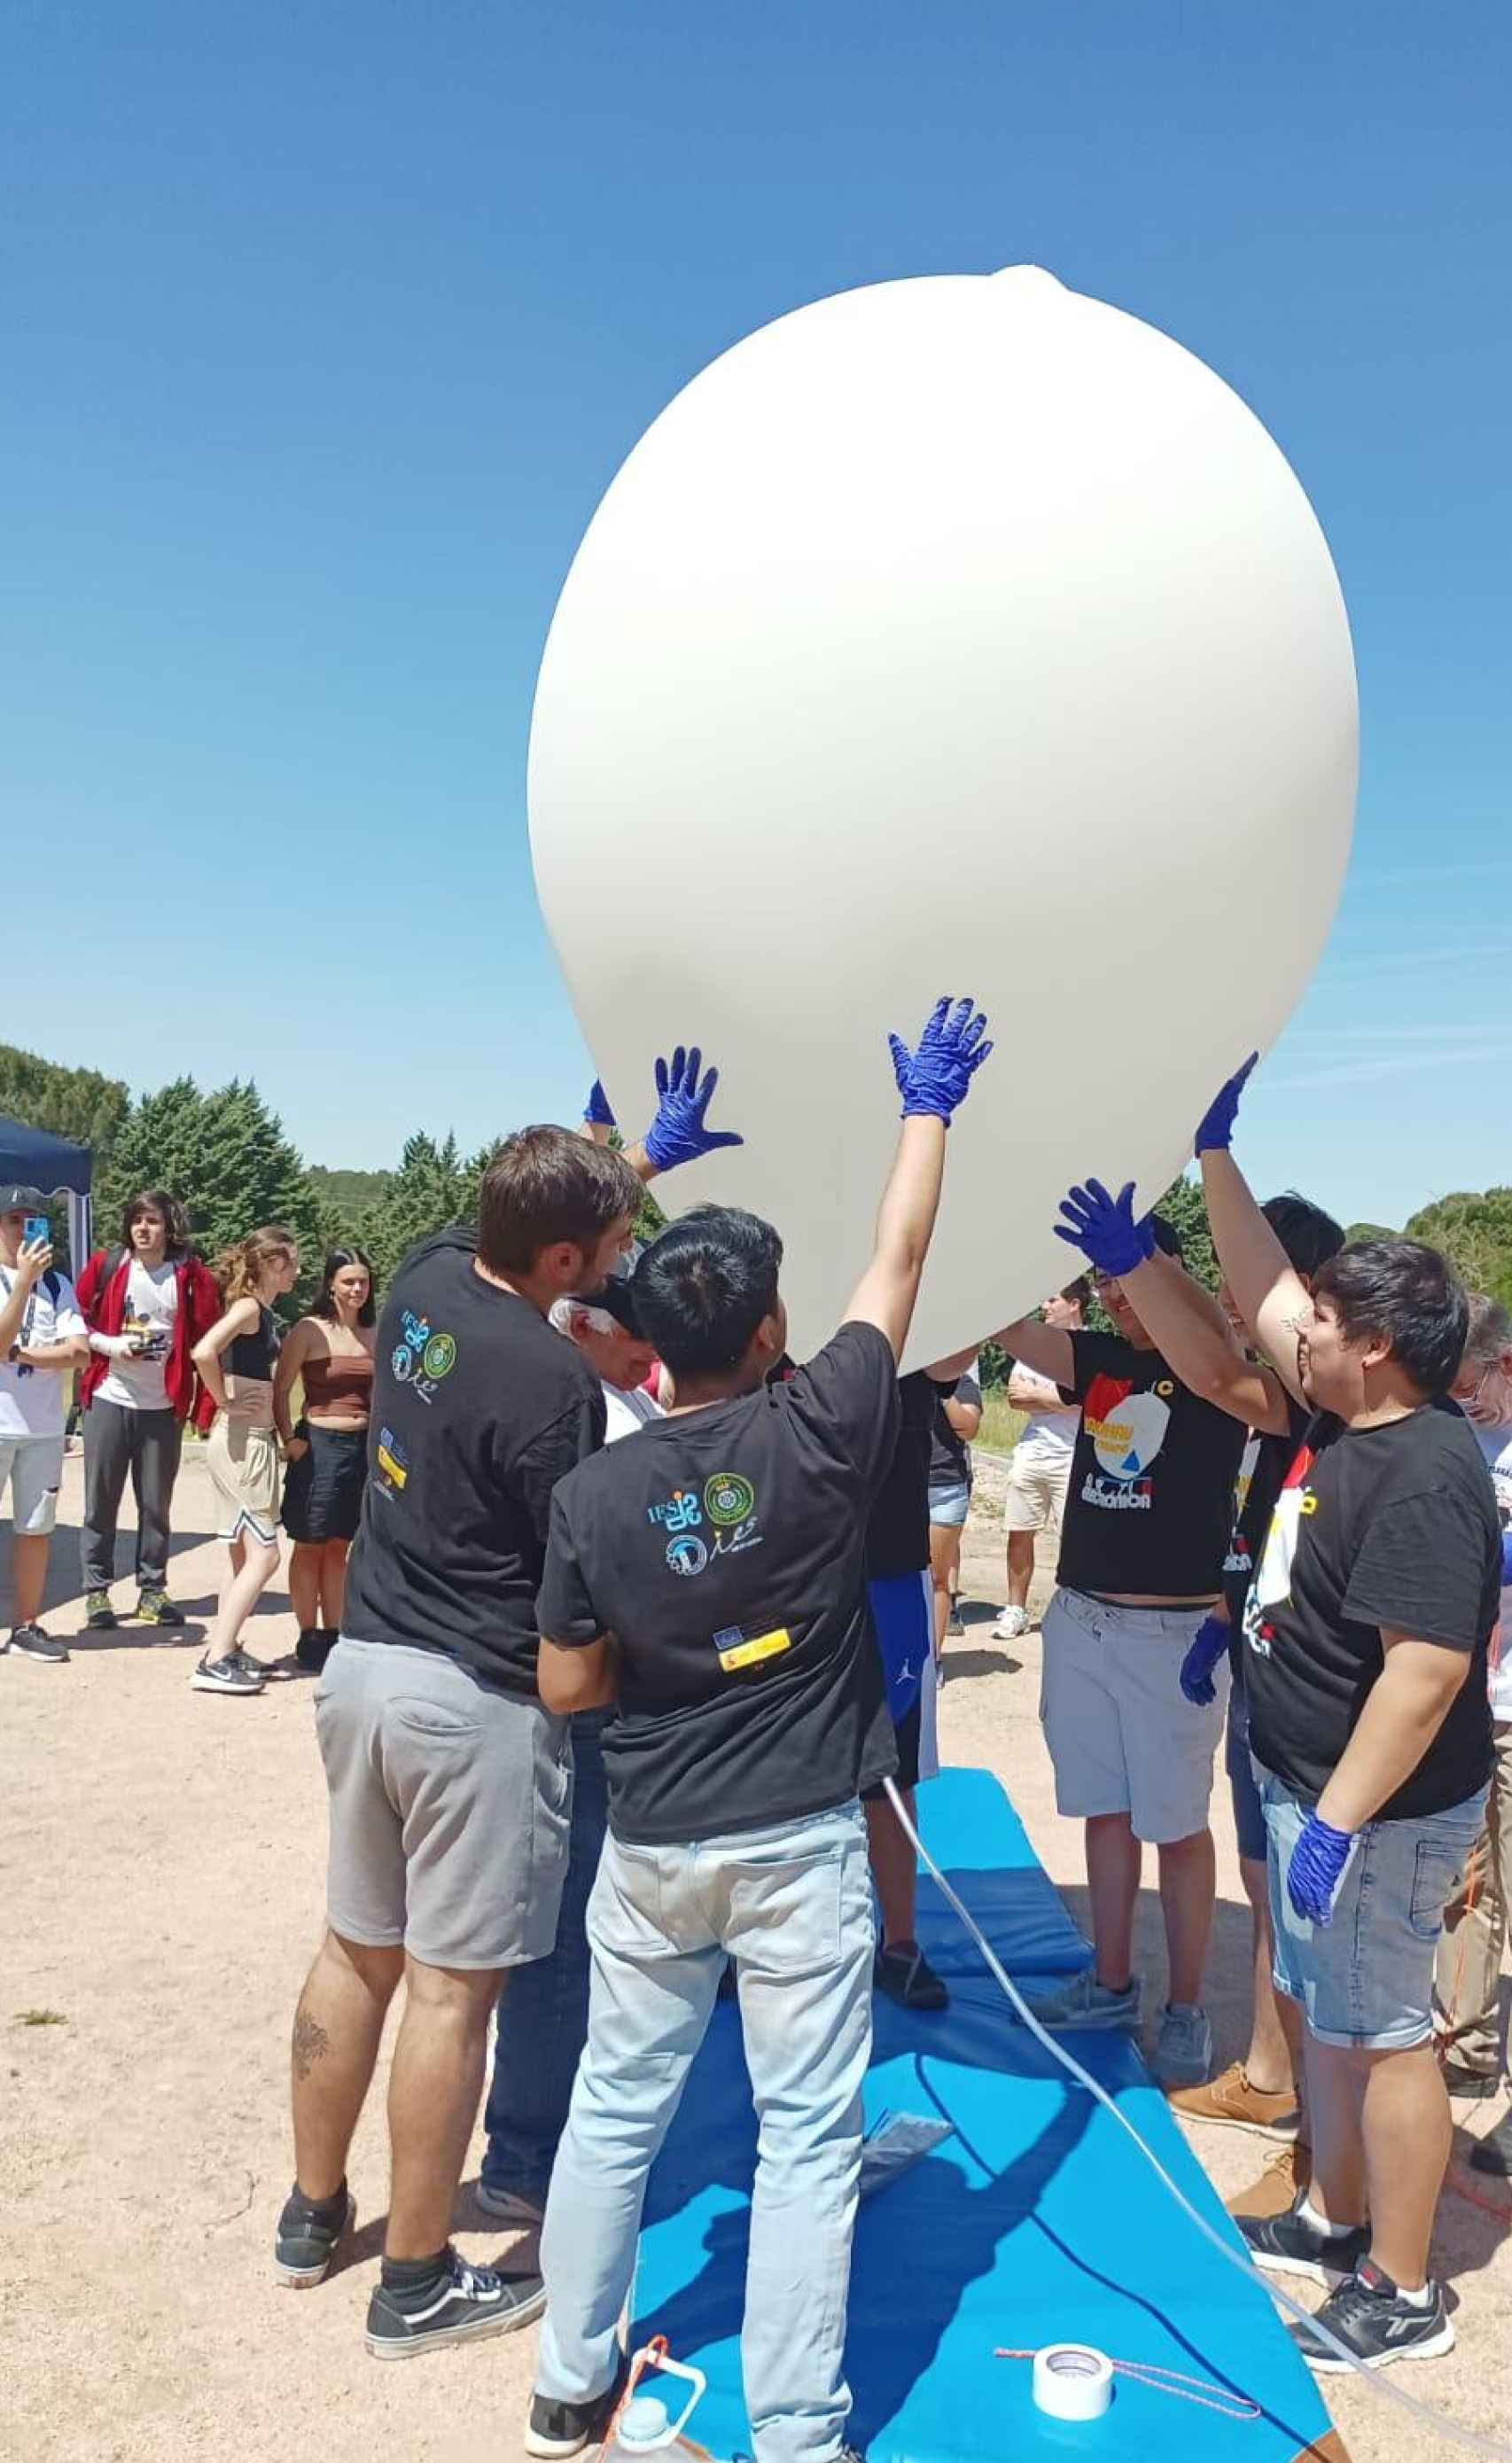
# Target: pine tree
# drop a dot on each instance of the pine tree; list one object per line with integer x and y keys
{"x": 433, "y": 1186}
{"x": 226, "y": 1156}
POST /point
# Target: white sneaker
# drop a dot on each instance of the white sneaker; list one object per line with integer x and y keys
{"x": 1012, "y": 1623}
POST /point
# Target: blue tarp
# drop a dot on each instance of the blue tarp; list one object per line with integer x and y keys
{"x": 1037, "y": 2222}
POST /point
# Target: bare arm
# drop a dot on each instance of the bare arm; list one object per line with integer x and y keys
{"x": 1268, "y": 1292}
{"x": 1027, "y": 1392}
{"x": 887, "y": 1290}
{"x": 586, "y": 1679}
{"x": 1404, "y": 1711}
{"x": 71, "y": 1353}
{"x": 965, "y": 1418}
{"x": 1190, "y": 1332}
{"x": 240, "y": 1318}
{"x": 1046, "y": 1349}
{"x": 292, "y": 1357}
{"x": 31, "y": 1264}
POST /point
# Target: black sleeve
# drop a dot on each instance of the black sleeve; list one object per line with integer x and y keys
{"x": 847, "y": 1397}
{"x": 564, "y": 1613}
{"x": 1095, "y": 1355}
{"x": 968, "y": 1390}
{"x": 1422, "y": 1570}
{"x": 556, "y": 1451}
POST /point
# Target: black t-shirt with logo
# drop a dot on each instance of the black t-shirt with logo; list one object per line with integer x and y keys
{"x": 1150, "y": 1504}
{"x": 1263, "y": 1465}
{"x": 1393, "y": 1527}
{"x": 725, "y": 1550}
{"x": 479, "y": 1406}
{"x": 950, "y": 1452}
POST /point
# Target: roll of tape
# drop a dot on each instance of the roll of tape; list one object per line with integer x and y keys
{"x": 1072, "y": 2382}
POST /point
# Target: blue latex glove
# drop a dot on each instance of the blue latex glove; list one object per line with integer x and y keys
{"x": 1317, "y": 1866}
{"x": 1208, "y": 1646}
{"x": 677, "y": 1134}
{"x": 1506, "y": 1558}
{"x": 1216, "y": 1128}
{"x": 933, "y": 1079}
{"x": 1104, "y": 1230}
{"x": 597, "y": 1110}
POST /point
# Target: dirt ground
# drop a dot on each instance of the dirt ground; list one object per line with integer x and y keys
{"x": 163, "y": 1857}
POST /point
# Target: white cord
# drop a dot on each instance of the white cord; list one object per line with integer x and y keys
{"x": 1469, "y": 2438}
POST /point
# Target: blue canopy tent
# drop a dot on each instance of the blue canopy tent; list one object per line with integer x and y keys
{"x": 58, "y": 1168}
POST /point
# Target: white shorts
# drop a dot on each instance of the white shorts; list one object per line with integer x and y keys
{"x": 1122, "y": 1737}
{"x": 33, "y": 1469}
{"x": 1034, "y": 1496}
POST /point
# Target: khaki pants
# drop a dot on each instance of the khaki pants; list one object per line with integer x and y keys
{"x": 1467, "y": 1978}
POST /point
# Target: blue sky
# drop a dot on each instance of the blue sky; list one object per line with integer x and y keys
{"x": 327, "y": 327}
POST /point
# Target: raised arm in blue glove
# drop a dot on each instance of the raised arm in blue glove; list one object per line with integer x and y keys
{"x": 678, "y": 1133}
{"x": 1104, "y": 1230}
{"x": 933, "y": 1079}
{"x": 597, "y": 1108}
{"x": 1317, "y": 1868}
{"x": 1216, "y": 1128}
{"x": 1208, "y": 1645}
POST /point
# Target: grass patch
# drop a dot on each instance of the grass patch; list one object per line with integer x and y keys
{"x": 41, "y": 2018}
{"x": 1000, "y": 1422}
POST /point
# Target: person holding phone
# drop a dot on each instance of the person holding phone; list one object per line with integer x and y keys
{"x": 42, "y": 1340}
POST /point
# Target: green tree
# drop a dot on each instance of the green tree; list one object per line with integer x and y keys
{"x": 225, "y": 1155}
{"x": 1371, "y": 1231}
{"x": 1185, "y": 1205}
{"x": 1474, "y": 1232}
{"x": 77, "y": 1103}
{"x": 433, "y": 1186}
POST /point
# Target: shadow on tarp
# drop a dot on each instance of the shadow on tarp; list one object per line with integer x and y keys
{"x": 1038, "y": 2221}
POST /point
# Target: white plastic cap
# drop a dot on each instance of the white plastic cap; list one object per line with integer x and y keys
{"x": 643, "y": 2422}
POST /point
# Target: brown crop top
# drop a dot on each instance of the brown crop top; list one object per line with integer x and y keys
{"x": 339, "y": 1387}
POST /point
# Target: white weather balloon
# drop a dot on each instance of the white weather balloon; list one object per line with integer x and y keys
{"x": 962, "y": 634}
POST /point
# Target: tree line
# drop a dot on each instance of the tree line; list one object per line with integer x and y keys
{"x": 226, "y": 1154}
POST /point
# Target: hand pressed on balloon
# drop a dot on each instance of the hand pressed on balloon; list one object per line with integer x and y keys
{"x": 678, "y": 1134}
{"x": 597, "y": 1108}
{"x": 1208, "y": 1646}
{"x": 1216, "y": 1128}
{"x": 1104, "y": 1230}
{"x": 1317, "y": 1868}
{"x": 933, "y": 1077}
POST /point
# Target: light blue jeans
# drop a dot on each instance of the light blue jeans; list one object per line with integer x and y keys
{"x": 793, "y": 1906}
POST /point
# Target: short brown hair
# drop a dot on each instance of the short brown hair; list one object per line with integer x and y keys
{"x": 546, "y": 1185}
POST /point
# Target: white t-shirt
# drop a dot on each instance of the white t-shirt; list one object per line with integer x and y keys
{"x": 1496, "y": 1444}
{"x": 152, "y": 1306}
{"x": 625, "y": 1412}
{"x": 32, "y": 1399}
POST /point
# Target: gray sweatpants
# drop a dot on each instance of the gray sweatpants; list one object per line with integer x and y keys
{"x": 148, "y": 1445}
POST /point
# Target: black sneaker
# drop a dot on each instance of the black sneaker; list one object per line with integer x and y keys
{"x": 1291, "y": 2244}
{"x": 956, "y": 1624}
{"x": 230, "y": 1675}
{"x": 307, "y": 2237}
{"x": 314, "y": 1647}
{"x": 32, "y": 1642}
{"x": 1371, "y": 2319}
{"x": 466, "y": 2303}
{"x": 562, "y": 2428}
{"x": 1493, "y": 2154}
{"x": 155, "y": 1608}
{"x": 906, "y": 1976}
{"x": 99, "y": 1617}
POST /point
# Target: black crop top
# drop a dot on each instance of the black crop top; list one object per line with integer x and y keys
{"x": 253, "y": 1355}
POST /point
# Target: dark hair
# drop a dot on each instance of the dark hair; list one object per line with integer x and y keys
{"x": 704, "y": 1286}
{"x": 175, "y": 1218}
{"x": 1309, "y": 1236}
{"x": 324, "y": 1306}
{"x": 1080, "y": 1291}
{"x": 546, "y": 1185}
{"x": 1409, "y": 1296}
{"x": 1168, "y": 1239}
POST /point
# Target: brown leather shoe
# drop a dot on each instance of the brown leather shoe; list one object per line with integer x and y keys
{"x": 1280, "y": 2186}
{"x": 1233, "y": 2101}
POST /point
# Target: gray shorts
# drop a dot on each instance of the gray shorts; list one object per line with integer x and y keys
{"x": 451, "y": 1808}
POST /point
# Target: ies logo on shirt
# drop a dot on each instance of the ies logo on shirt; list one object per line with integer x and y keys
{"x": 1127, "y": 1431}
{"x": 420, "y": 1358}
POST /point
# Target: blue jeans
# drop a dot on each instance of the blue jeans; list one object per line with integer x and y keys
{"x": 792, "y": 1906}
{"x": 543, "y": 2007}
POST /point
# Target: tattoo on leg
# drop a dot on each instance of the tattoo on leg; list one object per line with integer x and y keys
{"x": 311, "y": 2043}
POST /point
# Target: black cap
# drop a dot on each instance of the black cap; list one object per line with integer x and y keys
{"x": 17, "y": 1198}
{"x": 617, "y": 1301}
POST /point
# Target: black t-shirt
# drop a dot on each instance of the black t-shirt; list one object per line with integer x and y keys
{"x": 950, "y": 1452}
{"x": 1394, "y": 1527}
{"x": 1263, "y": 1465}
{"x": 898, "y": 1528}
{"x": 479, "y": 1406}
{"x": 1150, "y": 1505}
{"x": 725, "y": 1552}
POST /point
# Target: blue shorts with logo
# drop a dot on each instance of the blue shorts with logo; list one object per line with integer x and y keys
{"x": 1366, "y": 1980}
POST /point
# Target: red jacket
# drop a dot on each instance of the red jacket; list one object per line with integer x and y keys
{"x": 103, "y": 1299}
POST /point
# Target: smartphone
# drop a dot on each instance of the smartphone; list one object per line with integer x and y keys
{"x": 37, "y": 1227}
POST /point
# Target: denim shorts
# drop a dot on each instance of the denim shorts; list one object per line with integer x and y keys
{"x": 1249, "y": 1818}
{"x": 1366, "y": 1980}
{"x": 949, "y": 1506}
